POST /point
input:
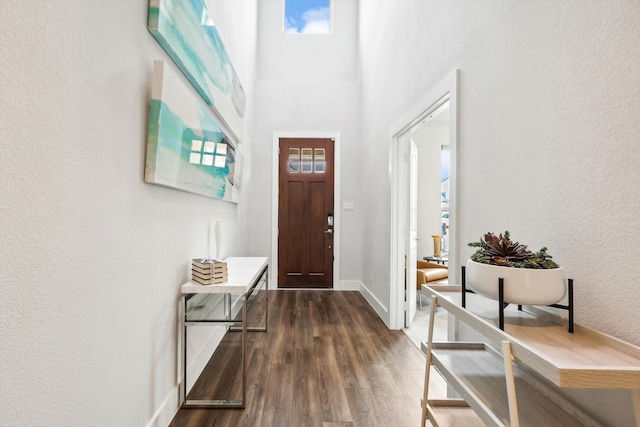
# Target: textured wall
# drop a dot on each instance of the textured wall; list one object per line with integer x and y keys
{"x": 308, "y": 57}
{"x": 91, "y": 258}
{"x": 550, "y": 136}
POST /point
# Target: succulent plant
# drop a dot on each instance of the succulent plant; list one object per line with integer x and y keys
{"x": 502, "y": 251}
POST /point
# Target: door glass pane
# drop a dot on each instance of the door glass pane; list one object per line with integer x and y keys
{"x": 307, "y": 166}
{"x": 293, "y": 166}
{"x": 294, "y": 153}
{"x": 307, "y": 154}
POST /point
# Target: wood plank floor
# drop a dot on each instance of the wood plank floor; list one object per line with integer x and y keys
{"x": 327, "y": 360}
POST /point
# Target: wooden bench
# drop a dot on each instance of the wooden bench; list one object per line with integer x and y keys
{"x": 533, "y": 344}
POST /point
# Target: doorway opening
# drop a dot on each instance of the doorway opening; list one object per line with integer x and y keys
{"x": 412, "y": 236}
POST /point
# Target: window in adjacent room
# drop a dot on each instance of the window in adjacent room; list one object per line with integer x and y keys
{"x": 307, "y": 16}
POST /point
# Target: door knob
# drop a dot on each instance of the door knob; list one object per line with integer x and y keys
{"x": 329, "y": 231}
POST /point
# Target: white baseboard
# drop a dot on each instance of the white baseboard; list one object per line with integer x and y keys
{"x": 167, "y": 410}
{"x": 375, "y": 303}
{"x": 349, "y": 285}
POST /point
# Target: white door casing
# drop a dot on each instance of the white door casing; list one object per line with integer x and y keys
{"x": 445, "y": 91}
{"x": 412, "y": 241}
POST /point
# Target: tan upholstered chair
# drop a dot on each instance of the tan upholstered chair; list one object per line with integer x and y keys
{"x": 430, "y": 273}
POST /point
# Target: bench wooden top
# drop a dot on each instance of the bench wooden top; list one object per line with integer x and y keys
{"x": 584, "y": 359}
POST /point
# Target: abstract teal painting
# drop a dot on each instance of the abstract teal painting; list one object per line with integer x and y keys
{"x": 186, "y": 32}
{"x": 186, "y": 147}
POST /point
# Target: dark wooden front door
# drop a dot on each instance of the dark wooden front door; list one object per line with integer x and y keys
{"x": 305, "y": 219}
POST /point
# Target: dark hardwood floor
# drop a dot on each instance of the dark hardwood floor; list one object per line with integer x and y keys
{"x": 327, "y": 360}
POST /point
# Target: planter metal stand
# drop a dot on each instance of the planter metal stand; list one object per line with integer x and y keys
{"x": 502, "y": 304}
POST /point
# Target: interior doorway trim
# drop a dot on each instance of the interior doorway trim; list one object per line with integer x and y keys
{"x": 447, "y": 89}
{"x": 273, "y": 269}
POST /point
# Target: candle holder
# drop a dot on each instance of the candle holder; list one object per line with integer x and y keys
{"x": 437, "y": 245}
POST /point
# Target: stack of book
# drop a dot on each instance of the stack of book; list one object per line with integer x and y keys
{"x": 208, "y": 271}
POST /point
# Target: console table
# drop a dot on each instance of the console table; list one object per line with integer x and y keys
{"x": 224, "y": 304}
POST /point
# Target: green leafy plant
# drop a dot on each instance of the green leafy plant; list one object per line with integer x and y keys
{"x": 502, "y": 251}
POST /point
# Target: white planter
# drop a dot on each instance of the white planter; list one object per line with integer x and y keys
{"x": 521, "y": 285}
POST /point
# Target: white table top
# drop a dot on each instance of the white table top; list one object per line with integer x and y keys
{"x": 243, "y": 272}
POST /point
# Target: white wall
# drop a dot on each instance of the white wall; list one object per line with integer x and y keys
{"x": 308, "y": 57}
{"x": 92, "y": 257}
{"x": 308, "y": 83}
{"x": 549, "y": 135}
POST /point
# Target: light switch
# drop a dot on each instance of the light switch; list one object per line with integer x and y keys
{"x": 347, "y": 206}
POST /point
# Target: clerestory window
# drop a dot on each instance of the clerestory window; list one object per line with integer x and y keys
{"x": 307, "y": 16}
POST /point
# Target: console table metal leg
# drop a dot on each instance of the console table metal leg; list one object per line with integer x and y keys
{"x": 266, "y": 298}
{"x": 183, "y": 383}
{"x": 244, "y": 349}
